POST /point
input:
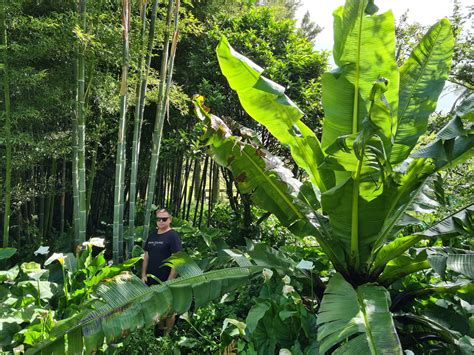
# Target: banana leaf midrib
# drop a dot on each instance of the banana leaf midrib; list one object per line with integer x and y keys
{"x": 367, "y": 325}
{"x": 93, "y": 315}
{"x": 386, "y": 230}
{"x": 415, "y": 84}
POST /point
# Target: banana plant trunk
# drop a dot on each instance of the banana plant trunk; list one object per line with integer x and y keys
{"x": 8, "y": 153}
{"x": 166, "y": 72}
{"x": 120, "y": 156}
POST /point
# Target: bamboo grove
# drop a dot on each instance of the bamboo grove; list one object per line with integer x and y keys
{"x": 60, "y": 184}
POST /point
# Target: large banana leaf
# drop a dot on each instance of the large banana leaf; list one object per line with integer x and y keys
{"x": 265, "y": 101}
{"x": 462, "y": 263}
{"x": 357, "y": 321}
{"x": 452, "y": 145}
{"x": 126, "y": 304}
{"x": 272, "y": 186}
{"x": 459, "y": 223}
{"x": 364, "y": 48}
{"x": 422, "y": 78}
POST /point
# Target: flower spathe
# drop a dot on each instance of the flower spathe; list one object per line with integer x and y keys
{"x": 96, "y": 242}
{"x": 56, "y": 256}
{"x": 42, "y": 250}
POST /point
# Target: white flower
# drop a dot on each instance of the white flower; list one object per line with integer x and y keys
{"x": 56, "y": 256}
{"x": 267, "y": 274}
{"x": 97, "y": 242}
{"x": 287, "y": 289}
{"x": 284, "y": 351}
{"x": 286, "y": 280}
{"x": 41, "y": 250}
{"x": 185, "y": 316}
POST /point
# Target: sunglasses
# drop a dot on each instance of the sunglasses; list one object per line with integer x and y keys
{"x": 162, "y": 219}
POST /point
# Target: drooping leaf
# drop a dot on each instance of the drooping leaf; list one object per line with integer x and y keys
{"x": 125, "y": 304}
{"x": 457, "y": 224}
{"x": 422, "y": 78}
{"x": 272, "y": 186}
{"x": 266, "y": 102}
{"x": 453, "y": 144}
{"x": 356, "y": 319}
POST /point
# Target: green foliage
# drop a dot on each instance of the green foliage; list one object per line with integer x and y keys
{"x": 361, "y": 183}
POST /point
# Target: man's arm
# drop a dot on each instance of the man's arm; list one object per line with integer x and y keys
{"x": 145, "y": 267}
{"x": 173, "y": 274}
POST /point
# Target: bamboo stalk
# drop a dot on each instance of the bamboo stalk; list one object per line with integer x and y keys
{"x": 145, "y": 61}
{"x": 8, "y": 143}
{"x": 166, "y": 65}
{"x": 81, "y": 129}
{"x": 119, "y": 160}
{"x": 62, "y": 204}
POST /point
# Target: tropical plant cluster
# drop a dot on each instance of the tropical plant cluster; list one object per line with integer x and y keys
{"x": 337, "y": 221}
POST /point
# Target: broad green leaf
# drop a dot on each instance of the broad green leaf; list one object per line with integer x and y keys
{"x": 462, "y": 263}
{"x": 6, "y": 253}
{"x": 184, "y": 264}
{"x": 266, "y": 102}
{"x": 358, "y": 318}
{"x": 451, "y": 226}
{"x": 126, "y": 304}
{"x": 402, "y": 266}
{"x": 256, "y": 313}
{"x": 422, "y": 78}
{"x": 452, "y": 145}
{"x": 364, "y": 50}
{"x": 272, "y": 186}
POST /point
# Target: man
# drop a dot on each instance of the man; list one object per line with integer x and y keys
{"x": 160, "y": 245}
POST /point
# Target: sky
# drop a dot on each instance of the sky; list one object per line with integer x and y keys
{"x": 426, "y": 12}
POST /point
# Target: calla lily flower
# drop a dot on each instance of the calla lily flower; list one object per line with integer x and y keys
{"x": 56, "y": 256}
{"x": 96, "y": 242}
{"x": 41, "y": 250}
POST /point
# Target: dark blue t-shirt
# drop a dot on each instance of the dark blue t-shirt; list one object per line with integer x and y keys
{"x": 159, "y": 248}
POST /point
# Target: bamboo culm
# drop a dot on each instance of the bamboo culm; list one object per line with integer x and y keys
{"x": 165, "y": 82}
{"x": 7, "y": 127}
{"x": 117, "y": 237}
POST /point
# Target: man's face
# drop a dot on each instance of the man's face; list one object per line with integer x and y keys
{"x": 163, "y": 220}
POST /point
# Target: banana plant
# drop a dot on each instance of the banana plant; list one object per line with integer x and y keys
{"x": 364, "y": 174}
{"x": 124, "y": 304}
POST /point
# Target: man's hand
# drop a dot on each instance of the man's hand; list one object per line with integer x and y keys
{"x": 144, "y": 279}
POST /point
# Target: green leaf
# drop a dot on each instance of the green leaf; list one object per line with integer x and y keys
{"x": 256, "y": 313}
{"x": 9, "y": 275}
{"x": 356, "y": 319}
{"x": 6, "y": 253}
{"x": 422, "y": 78}
{"x": 184, "y": 264}
{"x": 266, "y": 102}
{"x": 364, "y": 48}
{"x": 272, "y": 186}
{"x": 452, "y": 145}
{"x": 126, "y": 304}
{"x": 451, "y": 226}
{"x": 402, "y": 266}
